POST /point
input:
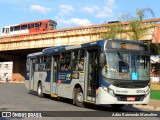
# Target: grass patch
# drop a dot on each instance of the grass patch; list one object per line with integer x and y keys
{"x": 155, "y": 94}
{"x": 155, "y": 86}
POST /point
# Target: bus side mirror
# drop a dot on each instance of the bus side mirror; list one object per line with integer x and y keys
{"x": 102, "y": 59}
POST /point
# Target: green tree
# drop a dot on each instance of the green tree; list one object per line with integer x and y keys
{"x": 137, "y": 30}
{"x": 154, "y": 48}
{"x": 112, "y": 31}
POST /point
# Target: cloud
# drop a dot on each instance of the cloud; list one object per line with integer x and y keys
{"x": 74, "y": 22}
{"x": 101, "y": 12}
{"x": 90, "y": 9}
{"x": 39, "y": 9}
{"x": 111, "y": 2}
{"x": 106, "y": 12}
{"x": 65, "y": 9}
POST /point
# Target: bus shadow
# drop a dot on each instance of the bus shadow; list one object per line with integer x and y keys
{"x": 32, "y": 93}
{"x": 90, "y": 106}
{"x": 109, "y": 108}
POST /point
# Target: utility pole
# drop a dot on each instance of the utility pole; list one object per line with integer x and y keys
{"x": 24, "y": 10}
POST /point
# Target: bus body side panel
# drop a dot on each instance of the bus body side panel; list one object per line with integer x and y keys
{"x": 27, "y": 84}
{"x": 19, "y": 32}
{"x": 46, "y": 87}
{"x": 41, "y": 76}
{"x": 66, "y": 90}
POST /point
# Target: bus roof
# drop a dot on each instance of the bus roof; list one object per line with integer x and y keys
{"x": 8, "y": 26}
{"x": 56, "y": 49}
{"x": 34, "y": 54}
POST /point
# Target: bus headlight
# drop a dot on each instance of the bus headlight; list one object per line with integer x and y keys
{"x": 109, "y": 90}
{"x": 147, "y": 92}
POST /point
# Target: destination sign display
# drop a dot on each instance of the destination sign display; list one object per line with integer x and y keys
{"x": 126, "y": 45}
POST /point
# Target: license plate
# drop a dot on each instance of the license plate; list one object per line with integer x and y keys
{"x": 131, "y": 98}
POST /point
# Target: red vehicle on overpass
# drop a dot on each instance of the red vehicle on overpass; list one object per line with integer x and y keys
{"x": 29, "y": 27}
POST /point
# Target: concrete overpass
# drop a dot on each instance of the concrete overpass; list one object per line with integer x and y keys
{"x": 16, "y": 47}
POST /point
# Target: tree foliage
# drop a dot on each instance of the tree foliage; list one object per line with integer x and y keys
{"x": 137, "y": 30}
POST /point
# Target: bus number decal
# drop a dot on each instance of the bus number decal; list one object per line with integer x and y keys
{"x": 140, "y": 91}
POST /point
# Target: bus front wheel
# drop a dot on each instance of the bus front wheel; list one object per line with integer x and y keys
{"x": 78, "y": 97}
{"x": 40, "y": 90}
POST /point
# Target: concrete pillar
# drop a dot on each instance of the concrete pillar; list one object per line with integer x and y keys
{"x": 19, "y": 68}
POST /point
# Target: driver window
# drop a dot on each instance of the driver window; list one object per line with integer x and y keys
{"x": 105, "y": 67}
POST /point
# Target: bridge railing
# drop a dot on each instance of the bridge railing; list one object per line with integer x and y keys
{"x": 61, "y": 36}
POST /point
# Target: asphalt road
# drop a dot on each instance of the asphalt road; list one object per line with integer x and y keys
{"x": 15, "y": 97}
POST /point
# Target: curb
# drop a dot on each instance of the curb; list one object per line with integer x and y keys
{"x": 12, "y": 82}
{"x": 147, "y": 107}
{"x": 157, "y": 108}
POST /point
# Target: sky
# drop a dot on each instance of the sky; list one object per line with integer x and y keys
{"x": 72, "y": 13}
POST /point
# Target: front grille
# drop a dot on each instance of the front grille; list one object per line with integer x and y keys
{"x": 124, "y": 97}
{"x": 131, "y": 84}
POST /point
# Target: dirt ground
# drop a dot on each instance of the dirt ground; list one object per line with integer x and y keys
{"x": 155, "y": 86}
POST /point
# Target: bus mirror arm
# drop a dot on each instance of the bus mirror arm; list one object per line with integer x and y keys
{"x": 102, "y": 59}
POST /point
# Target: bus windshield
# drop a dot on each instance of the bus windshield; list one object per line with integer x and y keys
{"x": 126, "y": 66}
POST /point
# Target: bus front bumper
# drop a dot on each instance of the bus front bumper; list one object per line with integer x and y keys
{"x": 104, "y": 97}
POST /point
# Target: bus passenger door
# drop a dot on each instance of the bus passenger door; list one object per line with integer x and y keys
{"x": 31, "y": 76}
{"x": 92, "y": 76}
{"x": 54, "y": 75}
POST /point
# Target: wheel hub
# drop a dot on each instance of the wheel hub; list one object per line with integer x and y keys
{"x": 80, "y": 97}
{"x": 39, "y": 90}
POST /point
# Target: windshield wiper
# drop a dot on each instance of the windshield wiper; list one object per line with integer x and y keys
{"x": 121, "y": 58}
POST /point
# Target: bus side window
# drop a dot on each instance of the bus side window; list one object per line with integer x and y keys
{"x": 11, "y": 29}
{"x": 38, "y": 66}
{"x": 65, "y": 63}
{"x": 6, "y": 30}
{"x": 28, "y": 63}
{"x": 47, "y": 61}
{"x": 105, "y": 67}
{"x": 34, "y": 63}
{"x": 16, "y": 28}
{"x": 30, "y": 26}
{"x": 46, "y": 26}
{"x": 68, "y": 60}
{"x": 41, "y": 63}
{"x": 23, "y": 27}
{"x": 81, "y": 60}
{"x": 38, "y": 25}
{"x": 40, "y": 59}
{"x": 62, "y": 57}
{"x": 75, "y": 60}
{"x": 61, "y": 61}
{"x": 3, "y": 30}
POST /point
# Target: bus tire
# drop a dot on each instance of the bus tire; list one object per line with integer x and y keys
{"x": 78, "y": 97}
{"x": 117, "y": 106}
{"x": 40, "y": 90}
